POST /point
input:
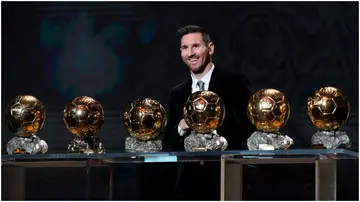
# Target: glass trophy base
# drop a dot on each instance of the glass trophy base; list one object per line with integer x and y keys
{"x": 268, "y": 141}
{"x": 27, "y": 145}
{"x": 134, "y": 145}
{"x": 86, "y": 145}
{"x": 205, "y": 142}
{"x": 330, "y": 139}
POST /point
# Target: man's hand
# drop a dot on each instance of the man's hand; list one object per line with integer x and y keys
{"x": 183, "y": 125}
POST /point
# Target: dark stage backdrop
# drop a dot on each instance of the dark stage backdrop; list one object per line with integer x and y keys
{"x": 117, "y": 52}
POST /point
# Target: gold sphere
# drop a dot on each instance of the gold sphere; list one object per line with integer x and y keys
{"x": 25, "y": 115}
{"x": 204, "y": 111}
{"x": 83, "y": 116}
{"x": 145, "y": 119}
{"x": 268, "y": 110}
{"x": 328, "y": 108}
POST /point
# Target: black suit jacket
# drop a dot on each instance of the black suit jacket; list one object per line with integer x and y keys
{"x": 234, "y": 90}
{"x": 194, "y": 180}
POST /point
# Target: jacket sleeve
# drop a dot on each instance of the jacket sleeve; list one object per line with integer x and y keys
{"x": 172, "y": 140}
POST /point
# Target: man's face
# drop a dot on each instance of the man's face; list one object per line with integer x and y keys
{"x": 195, "y": 53}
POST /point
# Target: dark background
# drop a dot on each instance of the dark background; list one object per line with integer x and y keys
{"x": 117, "y": 52}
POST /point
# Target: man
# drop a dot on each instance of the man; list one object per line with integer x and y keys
{"x": 195, "y": 181}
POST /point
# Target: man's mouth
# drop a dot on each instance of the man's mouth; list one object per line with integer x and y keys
{"x": 193, "y": 60}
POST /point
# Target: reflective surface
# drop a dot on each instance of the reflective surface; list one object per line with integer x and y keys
{"x": 204, "y": 111}
{"x": 25, "y": 115}
{"x": 83, "y": 116}
{"x": 268, "y": 110}
{"x": 184, "y": 156}
{"x": 328, "y": 108}
{"x": 145, "y": 118}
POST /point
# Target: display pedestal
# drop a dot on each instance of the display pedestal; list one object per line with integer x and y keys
{"x": 325, "y": 169}
{"x": 325, "y": 161}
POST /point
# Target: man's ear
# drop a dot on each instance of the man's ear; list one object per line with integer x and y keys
{"x": 211, "y": 48}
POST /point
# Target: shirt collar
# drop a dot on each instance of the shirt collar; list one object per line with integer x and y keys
{"x": 205, "y": 79}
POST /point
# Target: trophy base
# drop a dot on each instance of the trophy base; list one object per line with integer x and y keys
{"x": 27, "y": 145}
{"x": 204, "y": 142}
{"x": 86, "y": 145}
{"x": 330, "y": 139}
{"x": 268, "y": 141}
{"x": 134, "y": 145}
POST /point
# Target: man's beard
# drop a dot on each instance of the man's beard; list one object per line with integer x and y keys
{"x": 202, "y": 68}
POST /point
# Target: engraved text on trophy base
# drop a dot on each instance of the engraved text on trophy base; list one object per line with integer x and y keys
{"x": 87, "y": 145}
{"x": 27, "y": 145}
{"x": 268, "y": 141}
{"x": 134, "y": 145}
{"x": 204, "y": 142}
{"x": 331, "y": 139}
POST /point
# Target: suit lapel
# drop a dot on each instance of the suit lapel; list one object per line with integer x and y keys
{"x": 215, "y": 79}
{"x": 185, "y": 91}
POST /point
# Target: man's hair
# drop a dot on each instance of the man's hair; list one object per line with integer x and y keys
{"x": 188, "y": 29}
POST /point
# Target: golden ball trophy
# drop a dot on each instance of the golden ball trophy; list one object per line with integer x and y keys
{"x": 268, "y": 110}
{"x": 328, "y": 108}
{"x": 204, "y": 112}
{"x": 83, "y": 117}
{"x": 144, "y": 119}
{"x": 25, "y": 117}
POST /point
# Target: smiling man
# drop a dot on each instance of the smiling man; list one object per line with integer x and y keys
{"x": 194, "y": 181}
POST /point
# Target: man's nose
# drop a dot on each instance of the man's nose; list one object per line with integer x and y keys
{"x": 190, "y": 52}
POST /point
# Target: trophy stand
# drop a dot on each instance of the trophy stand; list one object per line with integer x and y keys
{"x": 268, "y": 141}
{"x": 204, "y": 142}
{"x": 27, "y": 145}
{"x": 86, "y": 145}
{"x": 135, "y": 145}
{"x": 330, "y": 139}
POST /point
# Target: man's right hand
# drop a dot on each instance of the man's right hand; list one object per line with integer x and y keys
{"x": 183, "y": 125}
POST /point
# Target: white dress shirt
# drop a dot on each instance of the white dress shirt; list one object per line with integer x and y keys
{"x": 195, "y": 88}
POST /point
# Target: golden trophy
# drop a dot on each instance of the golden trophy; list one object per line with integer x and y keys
{"x": 83, "y": 117}
{"x": 268, "y": 110}
{"x": 25, "y": 117}
{"x": 204, "y": 112}
{"x": 144, "y": 119}
{"x": 328, "y": 108}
